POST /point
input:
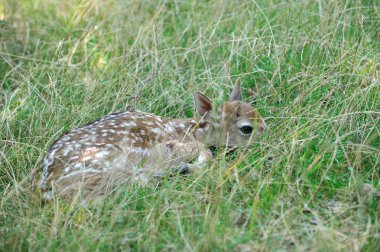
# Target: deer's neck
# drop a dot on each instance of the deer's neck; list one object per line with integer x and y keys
{"x": 198, "y": 130}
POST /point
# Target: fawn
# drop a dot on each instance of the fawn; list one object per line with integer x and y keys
{"x": 134, "y": 145}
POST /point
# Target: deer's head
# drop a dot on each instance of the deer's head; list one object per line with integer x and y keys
{"x": 235, "y": 123}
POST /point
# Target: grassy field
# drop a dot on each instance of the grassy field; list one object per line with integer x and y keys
{"x": 311, "y": 68}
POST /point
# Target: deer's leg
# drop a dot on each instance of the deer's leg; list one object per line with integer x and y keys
{"x": 188, "y": 157}
{"x": 203, "y": 156}
{"x": 192, "y": 156}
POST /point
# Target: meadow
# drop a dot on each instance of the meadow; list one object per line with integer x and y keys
{"x": 311, "y": 68}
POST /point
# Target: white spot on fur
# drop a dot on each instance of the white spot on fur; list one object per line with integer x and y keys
{"x": 47, "y": 162}
{"x": 101, "y": 154}
{"x": 156, "y": 130}
{"x": 78, "y": 166}
{"x": 168, "y": 129}
{"x": 67, "y": 150}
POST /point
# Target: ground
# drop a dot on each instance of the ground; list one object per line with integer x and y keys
{"x": 311, "y": 68}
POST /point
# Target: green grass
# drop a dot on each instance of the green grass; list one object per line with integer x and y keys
{"x": 311, "y": 68}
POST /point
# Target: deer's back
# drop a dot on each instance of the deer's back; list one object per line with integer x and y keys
{"x": 115, "y": 143}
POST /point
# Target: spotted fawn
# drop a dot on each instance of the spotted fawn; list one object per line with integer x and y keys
{"x": 134, "y": 145}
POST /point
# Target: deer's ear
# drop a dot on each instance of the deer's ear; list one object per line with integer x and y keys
{"x": 236, "y": 92}
{"x": 203, "y": 104}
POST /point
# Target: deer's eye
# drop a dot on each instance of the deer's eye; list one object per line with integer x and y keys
{"x": 246, "y": 130}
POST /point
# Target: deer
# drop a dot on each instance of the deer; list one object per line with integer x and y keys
{"x": 137, "y": 146}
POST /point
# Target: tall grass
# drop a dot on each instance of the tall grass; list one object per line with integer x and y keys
{"x": 311, "y": 68}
